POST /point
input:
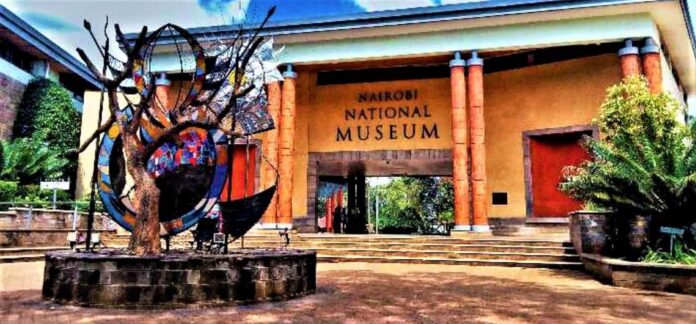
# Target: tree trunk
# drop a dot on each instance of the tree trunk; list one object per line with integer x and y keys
{"x": 145, "y": 239}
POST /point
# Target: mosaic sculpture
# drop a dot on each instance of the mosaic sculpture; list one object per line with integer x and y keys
{"x": 163, "y": 160}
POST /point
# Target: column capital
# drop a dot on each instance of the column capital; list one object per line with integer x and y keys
{"x": 474, "y": 60}
{"x": 457, "y": 61}
{"x": 628, "y": 49}
{"x": 289, "y": 73}
{"x": 650, "y": 47}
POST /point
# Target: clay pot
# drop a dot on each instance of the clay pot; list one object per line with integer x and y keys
{"x": 633, "y": 233}
{"x": 591, "y": 232}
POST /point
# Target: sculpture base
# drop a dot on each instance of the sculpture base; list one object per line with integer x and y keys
{"x": 114, "y": 279}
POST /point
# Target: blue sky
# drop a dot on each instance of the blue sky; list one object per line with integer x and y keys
{"x": 61, "y": 20}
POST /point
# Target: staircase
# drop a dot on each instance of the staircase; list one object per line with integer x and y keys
{"x": 541, "y": 250}
{"x": 537, "y": 251}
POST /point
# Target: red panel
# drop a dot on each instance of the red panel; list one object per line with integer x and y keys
{"x": 550, "y": 154}
{"x": 239, "y": 169}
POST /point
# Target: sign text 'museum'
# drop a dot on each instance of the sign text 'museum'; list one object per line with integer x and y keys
{"x": 404, "y": 106}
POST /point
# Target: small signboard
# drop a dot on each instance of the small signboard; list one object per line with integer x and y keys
{"x": 672, "y": 230}
{"x": 55, "y": 185}
{"x": 218, "y": 238}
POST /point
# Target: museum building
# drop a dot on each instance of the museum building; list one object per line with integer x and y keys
{"x": 495, "y": 94}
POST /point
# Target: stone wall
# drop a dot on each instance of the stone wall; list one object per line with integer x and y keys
{"x": 10, "y": 238}
{"x": 41, "y": 218}
{"x": 11, "y": 92}
{"x": 178, "y": 279}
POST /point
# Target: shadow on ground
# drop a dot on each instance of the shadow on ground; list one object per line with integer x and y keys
{"x": 407, "y": 293}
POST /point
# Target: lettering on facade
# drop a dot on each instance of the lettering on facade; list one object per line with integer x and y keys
{"x": 400, "y": 113}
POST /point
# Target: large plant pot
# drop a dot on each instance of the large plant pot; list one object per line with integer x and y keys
{"x": 591, "y": 232}
{"x": 634, "y": 233}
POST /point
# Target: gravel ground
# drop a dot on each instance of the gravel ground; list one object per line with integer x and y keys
{"x": 383, "y": 293}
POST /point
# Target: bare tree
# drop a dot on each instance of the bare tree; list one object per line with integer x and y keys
{"x": 221, "y": 100}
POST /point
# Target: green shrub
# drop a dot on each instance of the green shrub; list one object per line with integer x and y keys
{"x": 28, "y": 161}
{"x": 645, "y": 164}
{"x": 8, "y": 192}
{"x": 47, "y": 114}
{"x": 680, "y": 255}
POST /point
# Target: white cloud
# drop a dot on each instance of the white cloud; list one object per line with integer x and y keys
{"x": 380, "y": 5}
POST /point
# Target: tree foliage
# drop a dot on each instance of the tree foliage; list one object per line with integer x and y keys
{"x": 645, "y": 164}
{"x": 413, "y": 205}
{"x": 47, "y": 114}
{"x": 27, "y": 161}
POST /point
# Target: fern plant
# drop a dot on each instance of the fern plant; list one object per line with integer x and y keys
{"x": 645, "y": 163}
{"x": 27, "y": 160}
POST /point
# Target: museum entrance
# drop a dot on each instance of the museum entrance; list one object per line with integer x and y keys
{"x": 385, "y": 205}
{"x": 339, "y": 190}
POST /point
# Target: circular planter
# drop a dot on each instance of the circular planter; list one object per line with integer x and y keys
{"x": 591, "y": 232}
{"x": 113, "y": 279}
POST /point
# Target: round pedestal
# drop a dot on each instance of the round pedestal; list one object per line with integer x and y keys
{"x": 114, "y": 279}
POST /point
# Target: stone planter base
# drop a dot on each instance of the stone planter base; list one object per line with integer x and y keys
{"x": 648, "y": 276}
{"x": 113, "y": 279}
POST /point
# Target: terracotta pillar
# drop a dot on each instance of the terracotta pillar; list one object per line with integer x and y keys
{"x": 329, "y": 204}
{"x": 460, "y": 154}
{"x": 161, "y": 99}
{"x": 270, "y": 151}
{"x": 477, "y": 131}
{"x": 651, "y": 65}
{"x": 630, "y": 60}
{"x": 339, "y": 198}
{"x": 286, "y": 135}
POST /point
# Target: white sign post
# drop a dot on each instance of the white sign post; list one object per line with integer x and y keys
{"x": 55, "y": 186}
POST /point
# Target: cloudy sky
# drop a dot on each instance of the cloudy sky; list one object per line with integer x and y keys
{"x": 61, "y": 20}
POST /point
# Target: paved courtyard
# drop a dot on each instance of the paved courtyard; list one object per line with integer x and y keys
{"x": 382, "y": 293}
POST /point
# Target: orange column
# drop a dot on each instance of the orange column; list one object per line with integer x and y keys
{"x": 339, "y": 198}
{"x": 270, "y": 150}
{"x": 477, "y": 132}
{"x": 651, "y": 65}
{"x": 630, "y": 60}
{"x": 329, "y": 212}
{"x": 285, "y": 149}
{"x": 460, "y": 155}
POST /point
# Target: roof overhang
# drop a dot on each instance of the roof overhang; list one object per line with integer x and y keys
{"x": 483, "y": 26}
{"x": 42, "y": 46}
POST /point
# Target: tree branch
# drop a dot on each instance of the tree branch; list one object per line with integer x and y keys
{"x": 103, "y": 128}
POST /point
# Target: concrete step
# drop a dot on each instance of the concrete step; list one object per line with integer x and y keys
{"x": 419, "y": 247}
{"x": 425, "y": 254}
{"x": 21, "y": 258}
{"x": 471, "y": 262}
{"x": 17, "y": 251}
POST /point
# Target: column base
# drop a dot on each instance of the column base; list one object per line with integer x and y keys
{"x": 461, "y": 228}
{"x": 273, "y": 226}
{"x": 480, "y": 228}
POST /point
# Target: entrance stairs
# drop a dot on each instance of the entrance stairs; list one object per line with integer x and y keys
{"x": 540, "y": 250}
{"x": 475, "y": 249}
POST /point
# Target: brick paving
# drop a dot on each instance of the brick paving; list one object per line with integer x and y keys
{"x": 400, "y": 293}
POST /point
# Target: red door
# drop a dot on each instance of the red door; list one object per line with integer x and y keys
{"x": 243, "y": 173}
{"x": 549, "y": 155}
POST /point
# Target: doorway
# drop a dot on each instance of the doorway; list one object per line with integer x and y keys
{"x": 547, "y": 152}
{"x": 352, "y": 170}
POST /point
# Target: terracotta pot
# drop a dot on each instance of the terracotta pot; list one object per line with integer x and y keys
{"x": 591, "y": 232}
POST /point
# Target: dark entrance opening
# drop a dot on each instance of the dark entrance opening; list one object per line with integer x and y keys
{"x": 351, "y": 170}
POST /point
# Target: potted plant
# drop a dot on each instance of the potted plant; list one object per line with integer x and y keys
{"x": 643, "y": 167}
